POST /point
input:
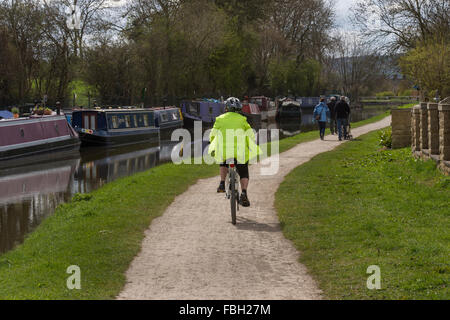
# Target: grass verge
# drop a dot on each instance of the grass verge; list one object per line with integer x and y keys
{"x": 358, "y": 206}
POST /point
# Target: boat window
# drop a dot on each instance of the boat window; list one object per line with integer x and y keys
{"x": 86, "y": 121}
{"x": 145, "y": 120}
{"x": 127, "y": 121}
{"x": 175, "y": 116}
{"x": 141, "y": 121}
{"x": 135, "y": 121}
{"x": 258, "y": 101}
{"x": 114, "y": 122}
{"x": 163, "y": 117}
{"x": 93, "y": 118}
{"x": 193, "y": 108}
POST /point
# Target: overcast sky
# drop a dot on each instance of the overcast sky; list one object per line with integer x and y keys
{"x": 343, "y": 13}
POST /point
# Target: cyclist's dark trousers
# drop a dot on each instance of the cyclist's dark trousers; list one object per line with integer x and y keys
{"x": 242, "y": 169}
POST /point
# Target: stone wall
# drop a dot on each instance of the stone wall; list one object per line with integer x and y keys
{"x": 433, "y": 130}
{"x": 415, "y": 128}
{"x": 401, "y": 128}
{"x": 423, "y": 135}
{"x": 444, "y": 136}
{"x": 430, "y": 132}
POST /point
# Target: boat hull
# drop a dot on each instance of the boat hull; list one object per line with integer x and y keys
{"x": 254, "y": 120}
{"x": 37, "y": 154}
{"x": 103, "y": 138}
{"x": 189, "y": 123}
{"x": 167, "y": 129}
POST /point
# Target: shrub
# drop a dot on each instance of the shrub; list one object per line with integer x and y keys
{"x": 386, "y": 137}
{"x": 15, "y": 110}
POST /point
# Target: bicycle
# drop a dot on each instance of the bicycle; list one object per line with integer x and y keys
{"x": 232, "y": 190}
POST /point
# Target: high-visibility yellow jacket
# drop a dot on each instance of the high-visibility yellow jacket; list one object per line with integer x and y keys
{"x": 232, "y": 137}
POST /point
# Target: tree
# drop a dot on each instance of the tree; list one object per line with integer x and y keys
{"x": 357, "y": 65}
{"x": 400, "y": 24}
{"x": 428, "y": 65}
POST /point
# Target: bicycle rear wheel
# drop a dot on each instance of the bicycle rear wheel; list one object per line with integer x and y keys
{"x": 233, "y": 199}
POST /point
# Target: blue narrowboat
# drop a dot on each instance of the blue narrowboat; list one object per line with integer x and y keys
{"x": 204, "y": 111}
{"x": 112, "y": 127}
{"x": 167, "y": 119}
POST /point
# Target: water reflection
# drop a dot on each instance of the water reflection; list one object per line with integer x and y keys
{"x": 27, "y": 194}
{"x": 30, "y": 193}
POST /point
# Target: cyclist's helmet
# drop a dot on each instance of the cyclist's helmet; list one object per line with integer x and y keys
{"x": 233, "y": 104}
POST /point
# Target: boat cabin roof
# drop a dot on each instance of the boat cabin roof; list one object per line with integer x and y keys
{"x": 116, "y": 110}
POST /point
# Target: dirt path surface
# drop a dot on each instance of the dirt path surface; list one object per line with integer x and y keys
{"x": 194, "y": 252}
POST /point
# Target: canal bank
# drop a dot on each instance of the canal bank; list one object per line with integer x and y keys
{"x": 101, "y": 232}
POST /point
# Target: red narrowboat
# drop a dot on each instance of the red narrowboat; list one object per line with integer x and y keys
{"x": 253, "y": 114}
{"x": 266, "y": 105}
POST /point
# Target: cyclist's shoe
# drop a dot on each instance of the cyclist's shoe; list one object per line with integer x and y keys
{"x": 243, "y": 201}
{"x": 221, "y": 188}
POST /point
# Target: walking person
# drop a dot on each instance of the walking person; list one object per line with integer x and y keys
{"x": 332, "y": 105}
{"x": 321, "y": 114}
{"x": 342, "y": 110}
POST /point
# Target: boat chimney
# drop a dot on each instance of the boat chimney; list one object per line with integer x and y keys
{"x": 58, "y": 108}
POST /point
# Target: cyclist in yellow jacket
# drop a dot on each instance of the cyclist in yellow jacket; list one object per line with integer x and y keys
{"x": 232, "y": 138}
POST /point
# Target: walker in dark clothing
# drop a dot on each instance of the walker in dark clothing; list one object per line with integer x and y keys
{"x": 333, "y": 125}
{"x": 342, "y": 110}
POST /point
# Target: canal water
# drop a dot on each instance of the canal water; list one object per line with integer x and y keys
{"x": 30, "y": 193}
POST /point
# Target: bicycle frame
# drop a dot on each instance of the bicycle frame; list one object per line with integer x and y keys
{"x": 232, "y": 190}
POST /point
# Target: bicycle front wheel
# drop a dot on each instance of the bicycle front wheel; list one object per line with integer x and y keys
{"x": 233, "y": 198}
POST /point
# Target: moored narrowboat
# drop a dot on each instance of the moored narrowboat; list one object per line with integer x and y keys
{"x": 35, "y": 135}
{"x": 204, "y": 111}
{"x": 266, "y": 105}
{"x": 253, "y": 114}
{"x": 167, "y": 119}
{"x": 308, "y": 102}
{"x": 289, "y": 110}
{"x": 113, "y": 127}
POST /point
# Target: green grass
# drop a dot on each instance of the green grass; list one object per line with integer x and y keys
{"x": 358, "y": 206}
{"x": 82, "y": 90}
{"x": 100, "y": 232}
{"x": 407, "y": 106}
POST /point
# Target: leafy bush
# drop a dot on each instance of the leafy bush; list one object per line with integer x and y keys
{"x": 386, "y": 137}
{"x": 15, "y": 110}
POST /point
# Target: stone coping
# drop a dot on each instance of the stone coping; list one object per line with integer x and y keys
{"x": 435, "y": 157}
{"x": 416, "y": 109}
{"x": 402, "y": 109}
{"x": 432, "y": 106}
{"x": 444, "y": 107}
